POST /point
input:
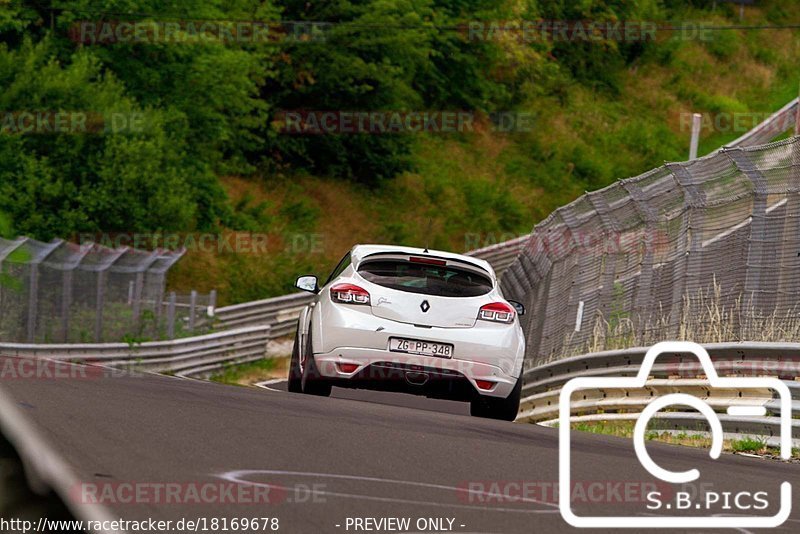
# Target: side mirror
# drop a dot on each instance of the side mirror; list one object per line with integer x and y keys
{"x": 518, "y": 306}
{"x": 307, "y": 283}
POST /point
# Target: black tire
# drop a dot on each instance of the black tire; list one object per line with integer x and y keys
{"x": 295, "y": 373}
{"x": 498, "y": 408}
{"x": 312, "y": 381}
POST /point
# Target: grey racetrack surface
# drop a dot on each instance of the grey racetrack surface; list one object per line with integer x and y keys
{"x": 366, "y": 454}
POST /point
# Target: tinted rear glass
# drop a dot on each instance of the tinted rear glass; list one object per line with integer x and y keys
{"x": 442, "y": 281}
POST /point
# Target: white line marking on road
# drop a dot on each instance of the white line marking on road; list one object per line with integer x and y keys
{"x": 237, "y": 477}
{"x": 265, "y": 384}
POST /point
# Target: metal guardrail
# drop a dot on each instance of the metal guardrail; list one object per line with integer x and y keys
{"x": 191, "y": 356}
{"x": 672, "y": 373}
{"x": 279, "y": 313}
{"x": 779, "y": 122}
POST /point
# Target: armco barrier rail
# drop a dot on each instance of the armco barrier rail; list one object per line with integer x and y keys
{"x": 192, "y": 356}
{"x": 779, "y": 122}
{"x": 280, "y": 313}
{"x": 672, "y": 373}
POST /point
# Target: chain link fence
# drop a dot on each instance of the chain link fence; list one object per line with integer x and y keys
{"x": 706, "y": 250}
{"x": 63, "y": 292}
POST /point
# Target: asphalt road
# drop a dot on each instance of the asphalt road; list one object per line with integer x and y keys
{"x": 326, "y": 463}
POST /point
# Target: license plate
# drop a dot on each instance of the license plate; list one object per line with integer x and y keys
{"x": 424, "y": 348}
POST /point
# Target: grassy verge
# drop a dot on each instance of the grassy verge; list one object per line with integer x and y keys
{"x": 249, "y": 373}
{"x": 624, "y": 429}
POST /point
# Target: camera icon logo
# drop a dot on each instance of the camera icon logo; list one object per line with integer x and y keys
{"x": 658, "y": 403}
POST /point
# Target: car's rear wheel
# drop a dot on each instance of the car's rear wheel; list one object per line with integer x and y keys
{"x": 312, "y": 382}
{"x": 295, "y": 372}
{"x": 504, "y": 409}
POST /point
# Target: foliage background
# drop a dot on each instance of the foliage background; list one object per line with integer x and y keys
{"x": 210, "y": 160}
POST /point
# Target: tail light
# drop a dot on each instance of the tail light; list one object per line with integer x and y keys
{"x": 347, "y": 367}
{"x": 498, "y": 312}
{"x": 485, "y": 385}
{"x": 349, "y": 294}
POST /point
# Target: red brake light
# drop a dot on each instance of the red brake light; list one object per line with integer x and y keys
{"x": 429, "y": 261}
{"x": 348, "y": 367}
{"x": 484, "y": 384}
{"x": 349, "y": 294}
{"x": 498, "y": 312}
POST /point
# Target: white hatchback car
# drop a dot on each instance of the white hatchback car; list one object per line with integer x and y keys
{"x": 412, "y": 320}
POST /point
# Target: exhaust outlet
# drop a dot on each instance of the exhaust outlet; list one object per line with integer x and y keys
{"x": 417, "y": 379}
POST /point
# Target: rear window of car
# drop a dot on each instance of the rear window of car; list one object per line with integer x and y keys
{"x": 442, "y": 281}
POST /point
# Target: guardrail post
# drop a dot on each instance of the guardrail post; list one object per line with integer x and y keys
{"x": 171, "y": 316}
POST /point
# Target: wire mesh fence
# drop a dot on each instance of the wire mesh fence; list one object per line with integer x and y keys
{"x": 707, "y": 250}
{"x": 64, "y": 292}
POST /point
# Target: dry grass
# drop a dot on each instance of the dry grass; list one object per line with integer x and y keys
{"x": 706, "y": 317}
{"x": 624, "y": 429}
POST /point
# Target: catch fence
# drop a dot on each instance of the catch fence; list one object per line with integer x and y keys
{"x": 706, "y": 250}
{"x": 69, "y": 293}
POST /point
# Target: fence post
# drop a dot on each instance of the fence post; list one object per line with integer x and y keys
{"x": 66, "y": 303}
{"x": 33, "y": 299}
{"x": 212, "y": 303}
{"x": 102, "y": 274}
{"x": 788, "y": 284}
{"x": 138, "y": 287}
{"x": 575, "y": 300}
{"x": 192, "y": 309}
{"x": 609, "y": 271}
{"x": 171, "y": 316}
{"x": 692, "y": 243}
{"x": 797, "y": 115}
{"x": 758, "y": 224}
{"x": 33, "y": 286}
{"x": 644, "y": 287}
{"x": 98, "y": 306}
{"x": 695, "y": 141}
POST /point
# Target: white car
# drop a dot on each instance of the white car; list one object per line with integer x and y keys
{"x": 412, "y": 320}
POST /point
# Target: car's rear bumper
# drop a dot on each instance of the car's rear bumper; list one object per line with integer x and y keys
{"x": 479, "y": 352}
{"x": 424, "y": 375}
